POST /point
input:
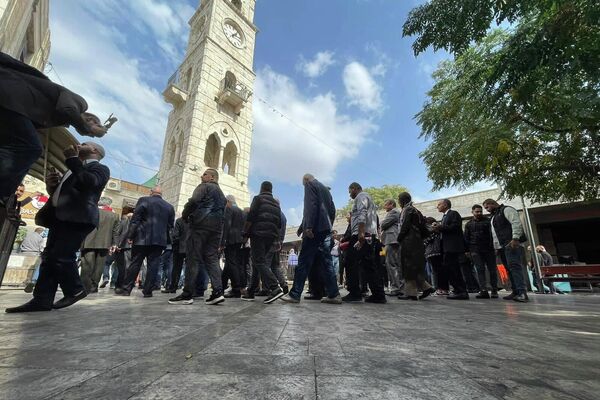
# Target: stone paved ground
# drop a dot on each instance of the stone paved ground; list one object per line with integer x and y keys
{"x": 134, "y": 348}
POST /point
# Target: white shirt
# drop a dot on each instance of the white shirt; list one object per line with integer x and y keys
{"x": 64, "y": 178}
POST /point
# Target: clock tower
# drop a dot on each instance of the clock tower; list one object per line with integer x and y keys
{"x": 210, "y": 125}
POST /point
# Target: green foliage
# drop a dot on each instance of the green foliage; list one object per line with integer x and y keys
{"x": 21, "y": 233}
{"x": 379, "y": 196}
{"x": 520, "y": 106}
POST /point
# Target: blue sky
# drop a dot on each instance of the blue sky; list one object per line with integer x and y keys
{"x": 346, "y": 82}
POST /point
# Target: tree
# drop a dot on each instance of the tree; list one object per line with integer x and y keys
{"x": 520, "y": 105}
{"x": 379, "y": 196}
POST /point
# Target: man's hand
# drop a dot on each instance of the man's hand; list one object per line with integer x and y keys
{"x": 71, "y": 151}
{"x": 514, "y": 244}
{"x": 309, "y": 233}
{"x": 52, "y": 180}
{"x": 97, "y": 130}
{"x": 361, "y": 240}
{"x": 435, "y": 227}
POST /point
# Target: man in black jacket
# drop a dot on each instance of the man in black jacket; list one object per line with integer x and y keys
{"x": 205, "y": 213}
{"x": 231, "y": 244}
{"x": 453, "y": 244}
{"x": 263, "y": 224}
{"x": 317, "y": 221}
{"x": 29, "y": 101}
{"x": 478, "y": 237}
{"x": 149, "y": 233}
{"x": 179, "y": 236}
{"x": 70, "y": 214}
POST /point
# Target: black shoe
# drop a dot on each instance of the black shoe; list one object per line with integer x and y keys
{"x": 248, "y": 297}
{"x": 494, "y": 294}
{"x": 312, "y": 297}
{"x": 484, "y": 295}
{"x": 103, "y": 285}
{"x": 458, "y": 296}
{"x": 69, "y": 300}
{"x": 403, "y": 297}
{"x": 262, "y": 293}
{"x": 426, "y": 293}
{"x": 285, "y": 289}
{"x": 94, "y": 289}
{"x": 352, "y": 299}
{"x": 30, "y": 306}
{"x": 181, "y": 300}
{"x": 232, "y": 295}
{"x": 29, "y": 287}
{"x": 521, "y": 298}
{"x": 122, "y": 292}
{"x": 215, "y": 298}
{"x": 275, "y": 294}
{"x": 168, "y": 291}
{"x": 375, "y": 299}
{"x": 510, "y": 296}
{"x": 147, "y": 294}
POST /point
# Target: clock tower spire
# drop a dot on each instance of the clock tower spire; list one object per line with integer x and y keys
{"x": 210, "y": 125}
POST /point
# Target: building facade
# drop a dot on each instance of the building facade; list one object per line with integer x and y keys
{"x": 211, "y": 123}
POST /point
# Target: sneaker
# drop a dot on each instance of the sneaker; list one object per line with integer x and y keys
{"x": 426, "y": 293}
{"x": 494, "y": 294}
{"x": 103, "y": 285}
{"x": 289, "y": 299}
{"x": 375, "y": 299}
{"x": 285, "y": 289}
{"x": 510, "y": 296}
{"x": 215, "y": 298}
{"x": 168, "y": 291}
{"x": 275, "y": 294}
{"x": 351, "y": 299}
{"x": 332, "y": 300}
{"x": 181, "y": 300}
{"x": 521, "y": 298}
{"x": 248, "y": 297}
{"x": 484, "y": 295}
{"x": 232, "y": 295}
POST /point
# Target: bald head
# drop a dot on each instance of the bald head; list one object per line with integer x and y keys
{"x": 156, "y": 191}
{"x": 91, "y": 150}
{"x": 307, "y": 178}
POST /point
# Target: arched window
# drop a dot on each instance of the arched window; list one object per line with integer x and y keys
{"x": 172, "y": 151}
{"x": 180, "y": 149}
{"x": 230, "y": 159}
{"x": 230, "y": 80}
{"x": 212, "y": 152}
{"x": 237, "y": 3}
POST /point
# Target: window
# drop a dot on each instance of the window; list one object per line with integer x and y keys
{"x": 230, "y": 159}
{"x": 212, "y": 152}
{"x": 237, "y": 3}
{"x": 172, "y": 150}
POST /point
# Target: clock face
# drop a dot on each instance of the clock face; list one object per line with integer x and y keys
{"x": 233, "y": 34}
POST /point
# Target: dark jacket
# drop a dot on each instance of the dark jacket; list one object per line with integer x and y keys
{"x": 106, "y": 234}
{"x": 452, "y": 233}
{"x": 179, "y": 235}
{"x": 206, "y": 208}
{"x": 412, "y": 249}
{"x": 265, "y": 216}
{"x": 27, "y": 91}
{"x": 233, "y": 226}
{"x": 79, "y": 195}
{"x": 283, "y": 227}
{"x": 433, "y": 245}
{"x": 122, "y": 233}
{"x": 152, "y": 222}
{"x": 319, "y": 209}
{"x": 478, "y": 236}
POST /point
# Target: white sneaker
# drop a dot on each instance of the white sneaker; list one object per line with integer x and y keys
{"x": 289, "y": 299}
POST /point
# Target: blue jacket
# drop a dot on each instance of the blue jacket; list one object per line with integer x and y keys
{"x": 319, "y": 209}
{"x": 152, "y": 222}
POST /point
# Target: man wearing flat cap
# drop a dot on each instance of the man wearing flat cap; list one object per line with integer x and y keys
{"x": 70, "y": 214}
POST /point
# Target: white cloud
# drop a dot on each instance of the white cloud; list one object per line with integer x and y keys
{"x": 318, "y": 139}
{"x": 86, "y": 55}
{"x": 362, "y": 90}
{"x": 316, "y": 67}
{"x": 294, "y": 215}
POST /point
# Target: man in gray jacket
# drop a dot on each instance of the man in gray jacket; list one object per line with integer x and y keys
{"x": 389, "y": 238}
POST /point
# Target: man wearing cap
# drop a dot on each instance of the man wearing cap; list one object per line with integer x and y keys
{"x": 70, "y": 214}
{"x": 30, "y": 101}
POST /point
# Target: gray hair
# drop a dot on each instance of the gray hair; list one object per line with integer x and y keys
{"x": 231, "y": 198}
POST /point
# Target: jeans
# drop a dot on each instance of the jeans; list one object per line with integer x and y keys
{"x": 122, "y": 261}
{"x": 512, "y": 260}
{"x": 481, "y": 261}
{"x": 165, "y": 268}
{"x": 106, "y": 274}
{"x": 312, "y": 249}
{"x": 202, "y": 252}
{"x": 261, "y": 251}
{"x": 20, "y": 147}
{"x": 336, "y": 264}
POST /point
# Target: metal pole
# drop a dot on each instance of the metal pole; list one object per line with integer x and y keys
{"x": 534, "y": 258}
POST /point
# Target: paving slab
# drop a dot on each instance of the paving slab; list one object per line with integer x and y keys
{"x": 109, "y": 347}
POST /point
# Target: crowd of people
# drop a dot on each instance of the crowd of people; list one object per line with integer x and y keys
{"x": 212, "y": 227}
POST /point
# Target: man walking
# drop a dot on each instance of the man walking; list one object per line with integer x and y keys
{"x": 70, "y": 214}
{"x": 361, "y": 252}
{"x": 453, "y": 244}
{"x": 205, "y": 213}
{"x": 389, "y": 238}
{"x": 263, "y": 224}
{"x": 317, "y": 221}
{"x": 179, "y": 236}
{"x": 231, "y": 244}
{"x": 508, "y": 234}
{"x": 149, "y": 233}
{"x": 95, "y": 249}
{"x": 478, "y": 237}
{"x": 123, "y": 252}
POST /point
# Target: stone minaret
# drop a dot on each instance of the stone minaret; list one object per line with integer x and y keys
{"x": 211, "y": 121}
